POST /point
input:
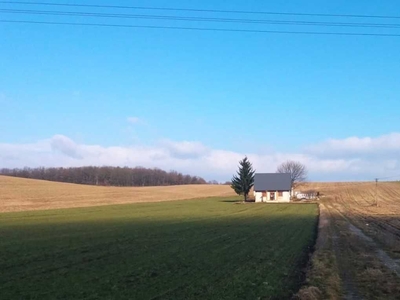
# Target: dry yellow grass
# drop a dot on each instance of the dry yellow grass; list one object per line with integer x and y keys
{"x": 360, "y": 197}
{"x": 18, "y": 194}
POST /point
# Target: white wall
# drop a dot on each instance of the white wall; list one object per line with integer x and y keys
{"x": 258, "y": 196}
{"x": 284, "y": 198}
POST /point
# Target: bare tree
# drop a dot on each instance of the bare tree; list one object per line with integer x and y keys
{"x": 298, "y": 171}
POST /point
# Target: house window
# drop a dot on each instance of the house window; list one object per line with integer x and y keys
{"x": 280, "y": 194}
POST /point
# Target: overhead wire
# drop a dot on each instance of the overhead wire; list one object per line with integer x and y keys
{"x": 202, "y": 29}
{"x": 194, "y": 19}
{"x": 388, "y": 177}
{"x": 197, "y": 19}
{"x": 198, "y": 10}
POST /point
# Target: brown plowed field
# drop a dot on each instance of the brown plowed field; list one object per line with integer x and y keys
{"x": 360, "y": 256}
{"x": 373, "y": 208}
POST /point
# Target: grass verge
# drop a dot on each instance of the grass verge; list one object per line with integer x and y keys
{"x": 322, "y": 278}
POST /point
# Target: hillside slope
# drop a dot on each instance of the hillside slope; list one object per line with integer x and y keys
{"x": 18, "y": 194}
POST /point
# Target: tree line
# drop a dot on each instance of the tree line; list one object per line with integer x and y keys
{"x": 106, "y": 176}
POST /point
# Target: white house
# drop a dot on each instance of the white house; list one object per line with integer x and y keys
{"x": 272, "y": 187}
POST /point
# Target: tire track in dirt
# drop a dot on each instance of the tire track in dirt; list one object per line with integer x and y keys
{"x": 350, "y": 290}
{"x": 389, "y": 262}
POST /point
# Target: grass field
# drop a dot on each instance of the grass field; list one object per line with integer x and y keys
{"x": 18, "y": 194}
{"x": 194, "y": 249}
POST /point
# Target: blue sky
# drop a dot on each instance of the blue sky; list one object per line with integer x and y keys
{"x": 269, "y": 96}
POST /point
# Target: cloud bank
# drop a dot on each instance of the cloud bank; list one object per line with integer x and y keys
{"x": 353, "y": 158}
{"x": 355, "y": 146}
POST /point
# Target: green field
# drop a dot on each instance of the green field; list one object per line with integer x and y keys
{"x": 195, "y": 249}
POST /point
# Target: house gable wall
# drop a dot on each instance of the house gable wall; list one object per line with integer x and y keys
{"x": 265, "y": 196}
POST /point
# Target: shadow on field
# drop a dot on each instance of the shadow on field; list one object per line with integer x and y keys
{"x": 183, "y": 250}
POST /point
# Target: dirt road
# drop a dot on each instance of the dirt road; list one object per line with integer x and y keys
{"x": 358, "y": 241}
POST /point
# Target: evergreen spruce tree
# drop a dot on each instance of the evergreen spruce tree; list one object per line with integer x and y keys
{"x": 244, "y": 180}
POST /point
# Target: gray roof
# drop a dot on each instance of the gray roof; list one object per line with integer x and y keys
{"x": 272, "y": 182}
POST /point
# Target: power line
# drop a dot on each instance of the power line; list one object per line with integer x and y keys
{"x": 203, "y": 29}
{"x": 388, "y": 177}
{"x": 196, "y": 19}
{"x": 376, "y": 186}
{"x": 200, "y": 10}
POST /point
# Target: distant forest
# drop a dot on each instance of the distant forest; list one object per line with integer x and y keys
{"x": 106, "y": 176}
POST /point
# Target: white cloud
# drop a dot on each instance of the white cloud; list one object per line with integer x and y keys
{"x": 65, "y": 145}
{"x": 356, "y": 145}
{"x": 185, "y": 149}
{"x": 349, "y": 162}
{"x": 133, "y": 120}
